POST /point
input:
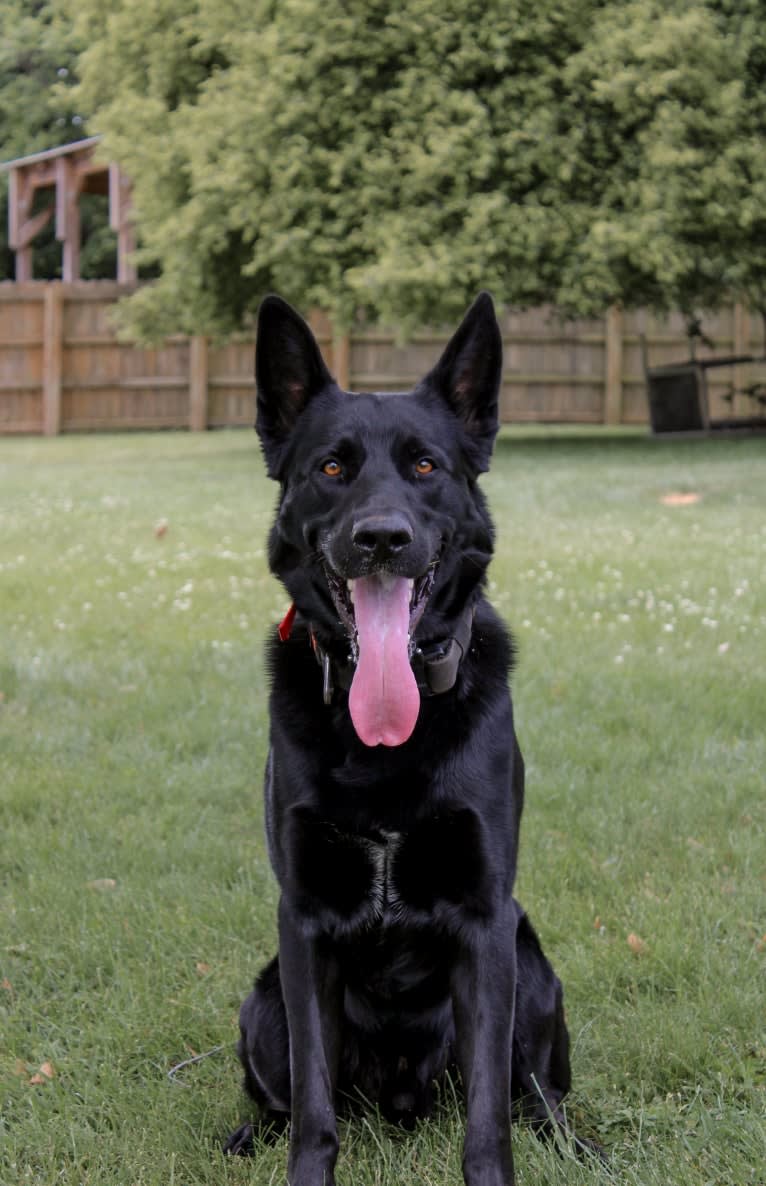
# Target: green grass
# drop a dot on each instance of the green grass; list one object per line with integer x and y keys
{"x": 132, "y": 736}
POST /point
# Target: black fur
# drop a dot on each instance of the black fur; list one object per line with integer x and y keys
{"x": 401, "y": 948}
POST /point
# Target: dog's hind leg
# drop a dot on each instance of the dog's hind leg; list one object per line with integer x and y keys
{"x": 264, "y": 1052}
{"x": 540, "y": 1075}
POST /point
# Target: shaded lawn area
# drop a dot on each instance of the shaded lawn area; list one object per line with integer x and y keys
{"x": 137, "y": 903}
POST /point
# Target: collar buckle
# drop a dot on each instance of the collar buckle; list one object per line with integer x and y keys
{"x": 327, "y": 684}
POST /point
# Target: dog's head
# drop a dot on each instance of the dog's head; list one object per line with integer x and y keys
{"x": 381, "y": 531}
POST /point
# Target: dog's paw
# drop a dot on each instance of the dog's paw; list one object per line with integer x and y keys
{"x": 584, "y": 1147}
{"x": 240, "y": 1143}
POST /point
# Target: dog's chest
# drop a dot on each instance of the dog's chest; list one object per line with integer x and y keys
{"x": 344, "y": 880}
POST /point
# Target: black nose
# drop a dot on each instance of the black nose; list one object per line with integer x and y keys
{"x": 383, "y": 535}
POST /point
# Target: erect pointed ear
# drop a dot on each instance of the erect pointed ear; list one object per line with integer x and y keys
{"x": 289, "y": 371}
{"x": 468, "y": 377}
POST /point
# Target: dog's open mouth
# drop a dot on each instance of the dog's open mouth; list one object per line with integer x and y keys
{"x": 342, "y": 593}
{"x": 380, "y": 613}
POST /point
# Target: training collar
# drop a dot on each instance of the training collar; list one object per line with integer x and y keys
{"x": 434, "y": 666}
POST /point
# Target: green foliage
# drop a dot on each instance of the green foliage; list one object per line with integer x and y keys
{"x": 666, "y": 138}
{"x": 355, "y": 156}
{"x": 389, "y": 160}
{"x": 38, "y": 56}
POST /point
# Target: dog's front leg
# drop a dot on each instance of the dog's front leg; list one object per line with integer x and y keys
{"x": 312, "y": 994}
{"x": 483, "y": 994}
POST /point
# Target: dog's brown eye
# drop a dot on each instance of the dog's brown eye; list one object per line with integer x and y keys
{"x": 332, "y": 468}
{"x": 424, "y": 466}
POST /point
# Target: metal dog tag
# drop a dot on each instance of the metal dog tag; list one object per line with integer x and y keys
{"x": 327, "y": 688}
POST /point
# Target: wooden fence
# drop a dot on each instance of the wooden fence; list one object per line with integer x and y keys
{"x": 62, "y": 367}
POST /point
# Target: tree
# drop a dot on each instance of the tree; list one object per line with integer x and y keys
{"x": 393, "y": 159}
{"x": 350, "y": 153}
{"x": 38, "y": 56}
{"x": 745, "y": 21}
{"x": 665, "y": 145}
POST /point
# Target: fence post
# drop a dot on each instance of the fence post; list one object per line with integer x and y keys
{"x": 741, "y": 346}
{"x": 53, "y": 341}
{"x": 341, "y": 359}
{"x": 613, "y": 387}
{"x": 198, "y": 383}
{"x": 741, "y": 329}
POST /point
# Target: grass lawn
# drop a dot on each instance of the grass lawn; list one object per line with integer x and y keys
{"x": 136, "y": 901}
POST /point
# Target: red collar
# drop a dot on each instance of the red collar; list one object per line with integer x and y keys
{"x": 285, "y": 627}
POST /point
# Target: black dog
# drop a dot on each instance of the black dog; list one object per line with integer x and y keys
{"x": 394, "y": 783}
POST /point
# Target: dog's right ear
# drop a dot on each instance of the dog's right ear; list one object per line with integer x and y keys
{"x": 289, "y": 371}
{"x": 468, "y": 377}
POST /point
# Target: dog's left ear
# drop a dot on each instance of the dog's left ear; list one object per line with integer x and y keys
{"x": 289, "y": 371}
{"x": 468, "y": 377}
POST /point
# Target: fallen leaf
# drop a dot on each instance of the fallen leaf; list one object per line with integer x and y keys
{"x": 43, "y": 1075}
{"x": 678, "y": 499}
{"x": 6, "y": 984}
{"x": 636, "y": 945}
{"x": 101, "y": 883}
{"x": 203, "y": 969}
{"x": 160, "y": 528}
{"x": 597, "y": 923}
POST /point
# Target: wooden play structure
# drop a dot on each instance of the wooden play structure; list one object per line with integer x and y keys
{"x": 65, "y": 173}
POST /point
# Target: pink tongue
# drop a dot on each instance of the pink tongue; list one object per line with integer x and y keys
{"x": 384, "y": 699}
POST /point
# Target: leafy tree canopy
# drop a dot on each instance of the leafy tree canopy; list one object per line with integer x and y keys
{"x": 666, "y": 141}
{"x": 38, "y": 59}
{"x": 354, "y": 155}
{"x": 392, "y": 159}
